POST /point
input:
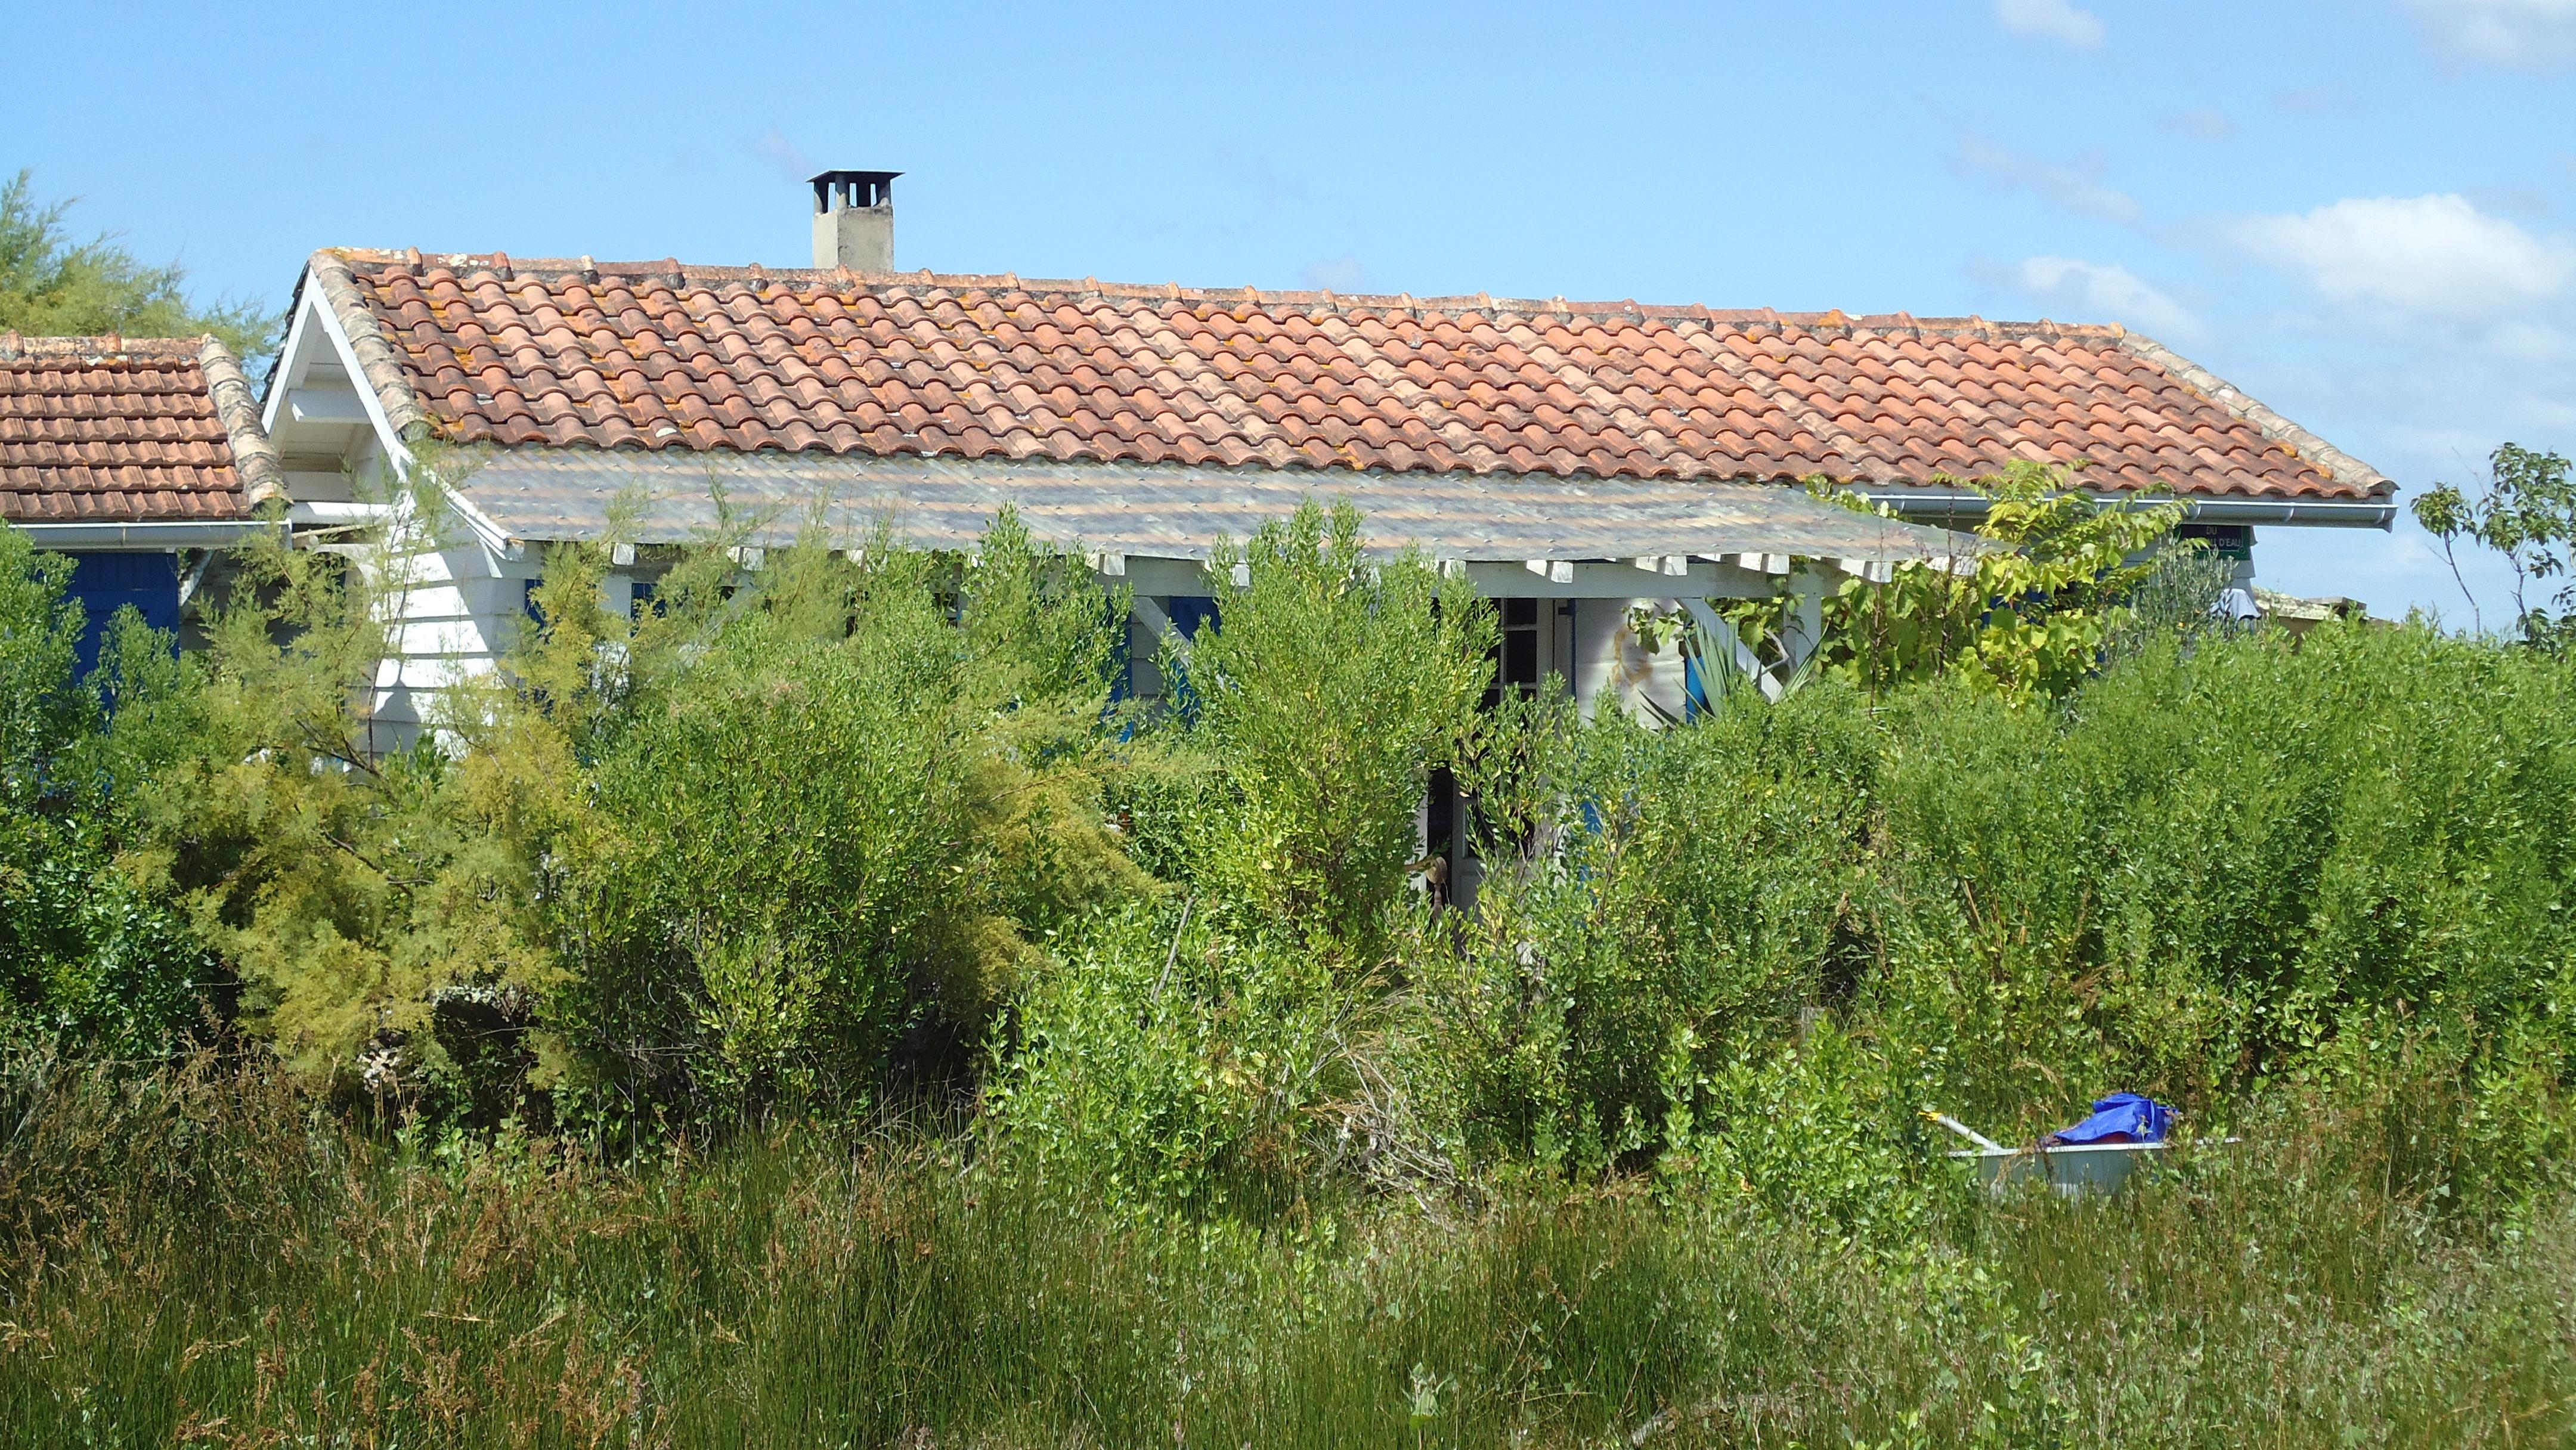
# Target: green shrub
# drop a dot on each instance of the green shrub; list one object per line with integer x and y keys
{"x": 2208, "y": 866}
{"x": 2193, "y": 877}
{"x": 1189, "y": 1054}
{"x": 749, "y": 845}
{"x": 1705, "y": 884}
{"x": 817, "y": 818}
{"x": 1331, "y": 687}
{"x": 1168, "y": 1062}
{"x": 808, "y": 830}
{"x": 2031, "y": 616}
{"x": 352, "y": 889}
{"x": 1824, "y": 1131}
{"x": 87, "y": 957}
{"x": 42, "y": 707}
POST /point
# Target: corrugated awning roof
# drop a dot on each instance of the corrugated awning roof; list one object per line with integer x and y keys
{"x": 541, "y": 493}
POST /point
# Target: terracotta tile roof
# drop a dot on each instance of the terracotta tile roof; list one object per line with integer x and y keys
{"x": 655, "y": 355}
{"x": 138, "y": 430}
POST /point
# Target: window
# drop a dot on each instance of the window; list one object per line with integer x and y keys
{"x": 1189, "y": 613}
{"x": 1516, "y": 652}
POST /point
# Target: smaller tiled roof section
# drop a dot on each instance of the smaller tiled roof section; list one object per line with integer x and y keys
{"x": 655, "y": 355}
{"x": 129, "y": 430}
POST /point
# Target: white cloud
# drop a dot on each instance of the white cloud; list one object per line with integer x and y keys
{"x": 2503, "y": 32}
{"x": 2431, "y": 256}
{"x": 2051, "y": 20}
{"x": 2109, "y": 292}
{"x": 2075, "y": 185}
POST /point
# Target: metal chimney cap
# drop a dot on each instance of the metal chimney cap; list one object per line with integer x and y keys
{"x": 858, "y": 188}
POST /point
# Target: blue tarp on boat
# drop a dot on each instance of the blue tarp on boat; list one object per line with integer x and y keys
{"x": 2120, "y": 1118}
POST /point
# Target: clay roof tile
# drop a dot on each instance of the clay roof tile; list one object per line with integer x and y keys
{"x": 129, "y": 430}
{"x": 1315, "y": 380}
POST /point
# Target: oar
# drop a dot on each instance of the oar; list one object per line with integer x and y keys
{"x": 1964, "y": 1131}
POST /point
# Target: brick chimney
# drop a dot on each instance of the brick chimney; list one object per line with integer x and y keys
{"x": 854, "y": 220}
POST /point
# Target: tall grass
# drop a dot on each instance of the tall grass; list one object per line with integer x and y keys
{"x": 201, "y": 1258}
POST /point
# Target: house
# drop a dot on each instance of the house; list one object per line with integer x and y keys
{"x": 140, "y": 458}
{"x": 1575, "y": 460}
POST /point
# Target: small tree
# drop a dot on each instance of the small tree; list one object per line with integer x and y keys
{"x": 2029, "y": 617}
{"x": 2526, "y": 512}
{"x": 50, "y": 284}
{"x": 1332, "y": 685}
{"x": 348, "y": 887}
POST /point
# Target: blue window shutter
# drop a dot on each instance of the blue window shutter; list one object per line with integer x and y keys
{"x": 105, "y": 583}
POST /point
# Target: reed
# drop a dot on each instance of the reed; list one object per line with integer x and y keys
{"x": 201, "y": 1257}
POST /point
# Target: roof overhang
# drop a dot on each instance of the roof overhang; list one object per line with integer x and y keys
{"x": 1962, "y": 508}
{"x": 105, "y": 536}
{"x": 1117, "y": 512}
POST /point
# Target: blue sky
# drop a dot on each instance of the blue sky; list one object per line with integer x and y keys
{"x": 2363, "y": 213}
